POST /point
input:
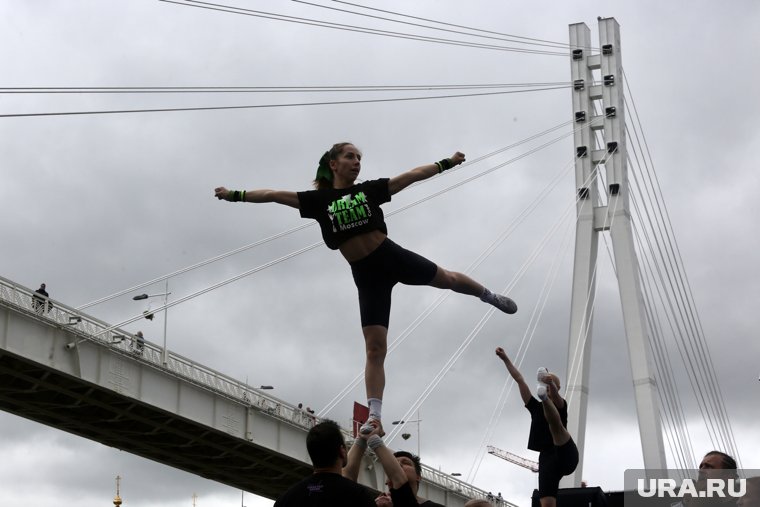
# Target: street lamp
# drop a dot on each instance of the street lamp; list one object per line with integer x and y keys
{"x": 139, "y": 297}
{"x": 406, "y": 436}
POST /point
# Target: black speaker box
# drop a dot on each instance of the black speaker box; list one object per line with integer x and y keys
{"x": 576, "y": 497}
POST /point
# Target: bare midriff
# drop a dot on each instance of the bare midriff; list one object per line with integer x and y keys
{"x": 362, "y": 245}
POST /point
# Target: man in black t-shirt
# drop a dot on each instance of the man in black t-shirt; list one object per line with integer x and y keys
{"x": 326, "y": 487}
{"x": 335, "y": 471}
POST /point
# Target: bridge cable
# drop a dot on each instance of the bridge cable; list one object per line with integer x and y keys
{"x": 262, "y": 89}
{"x": 532, "y": 40}
{"x": 266, "y": 106}
{"x": 704, "y": 353}
{"x": 665, "y": 367}
{"x": 672, "y": 407}
{"x": 353, "y": 28}
{"x": 508, "y": 38}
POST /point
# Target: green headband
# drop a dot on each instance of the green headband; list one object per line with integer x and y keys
{"x": 323, "y": 171}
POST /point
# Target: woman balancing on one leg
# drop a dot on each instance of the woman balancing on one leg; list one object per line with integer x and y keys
{"x": 558, "y": 455}
{"x": 351, "y": 221}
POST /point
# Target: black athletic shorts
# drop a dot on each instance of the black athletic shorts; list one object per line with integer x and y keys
{"x": 555, "y": 464}
{"x": 376, "y": 274}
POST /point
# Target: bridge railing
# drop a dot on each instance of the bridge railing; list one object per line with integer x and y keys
{"x": 451, "y": 483}
{"x": 90, "y": 329}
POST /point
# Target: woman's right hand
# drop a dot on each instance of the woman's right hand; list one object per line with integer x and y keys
{"x": 502, "y": 355}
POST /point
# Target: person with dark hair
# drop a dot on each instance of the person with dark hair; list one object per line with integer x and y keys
{"x": 326, "y": 486}
{"x": 412, "y": 467}
{"x": 41, "y": 300}
{"x": 558, "y": 454}
{"x": 717, "y": 460}
{"x": 333, "y": 483}
{"x": 714, "y": 465}
{"x": 351, "y": 221}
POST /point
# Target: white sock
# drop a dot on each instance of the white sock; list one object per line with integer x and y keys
{"x": 375, "y": 407}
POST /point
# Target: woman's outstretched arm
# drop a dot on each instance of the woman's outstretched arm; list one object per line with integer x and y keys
{"x": 423, "y": 172}
{"x": 525, "y": 393}
{"x": 262, "y": 195}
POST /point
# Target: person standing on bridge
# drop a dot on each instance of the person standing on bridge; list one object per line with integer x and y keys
{"x": 139, "y": 343}
{"x": 558, "y": 454}
{"x": 351, "y": 220}
{"x": 41, "y": 300}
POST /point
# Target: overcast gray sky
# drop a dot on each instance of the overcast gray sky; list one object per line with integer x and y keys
{"x": 93, "y": 204}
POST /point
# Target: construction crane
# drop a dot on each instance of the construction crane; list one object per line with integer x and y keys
{"x": 513, "y": 458}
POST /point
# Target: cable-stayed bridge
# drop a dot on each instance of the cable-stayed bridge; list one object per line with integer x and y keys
{"x": 71, "y": 371}
{"x": 105, "y": 358}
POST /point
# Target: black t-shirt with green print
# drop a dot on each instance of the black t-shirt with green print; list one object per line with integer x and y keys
{"x": 345, "y": 212}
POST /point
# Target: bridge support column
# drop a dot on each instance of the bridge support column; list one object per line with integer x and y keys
{"x": 600, "y": 140}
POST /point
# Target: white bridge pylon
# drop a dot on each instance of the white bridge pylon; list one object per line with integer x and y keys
{"x": 615, "y": 217}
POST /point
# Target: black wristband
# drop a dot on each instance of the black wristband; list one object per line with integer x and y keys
{"x": 235, "y": 195}
{"x": 444, "y": 165}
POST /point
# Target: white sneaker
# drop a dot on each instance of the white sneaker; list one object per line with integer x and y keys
{"x": 541, "y": 389}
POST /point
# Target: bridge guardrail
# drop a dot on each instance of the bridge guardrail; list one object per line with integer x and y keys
{"x": 89, "y": 328}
